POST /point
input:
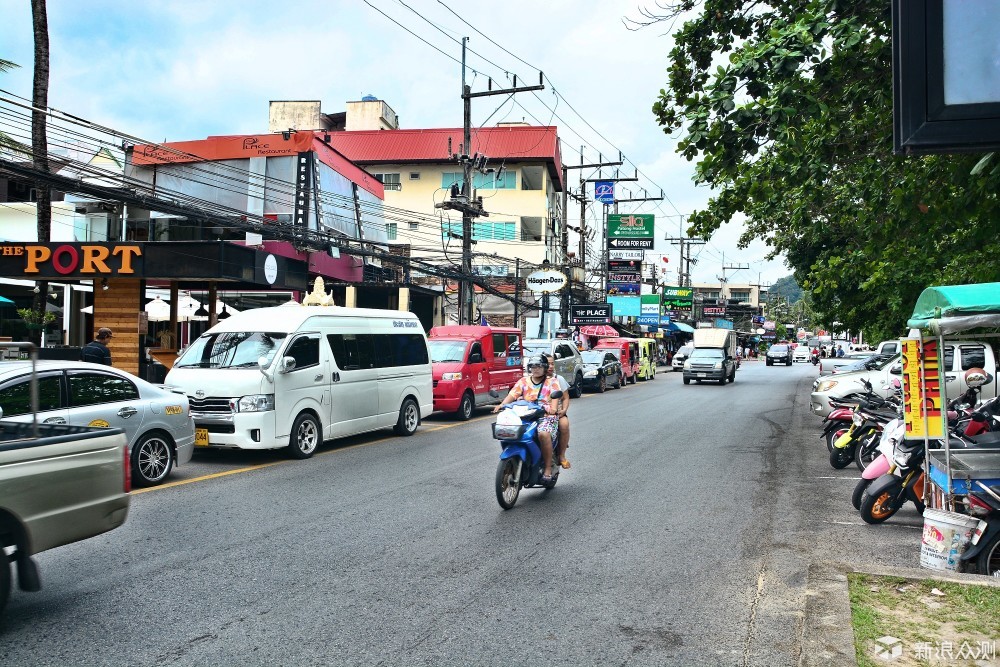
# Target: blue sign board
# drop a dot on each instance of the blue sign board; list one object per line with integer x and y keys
{"x": 723, "y": 324}
{"x": 626, "y": 306}
{"x": 664, "y": 320}
{"x": 604, "y": 192}
{"x": 649, "y": 320}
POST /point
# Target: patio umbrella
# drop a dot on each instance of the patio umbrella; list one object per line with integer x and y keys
{"x": 157, "y": 310}
{"x": 600, "y": 330}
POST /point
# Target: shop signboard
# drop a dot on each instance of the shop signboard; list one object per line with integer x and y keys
{"x": 678, "y": 299}
{"x": 634, "y": 230}
{"x": 622, "y": 254}
{"x": 723, "y": 324}
{"x": 625, "y": 305}
{"x": 625, "y": 265}
{"x": 713, "y": 311}
{"x": 591, "y": 313}
{"x": 623, "y": 288}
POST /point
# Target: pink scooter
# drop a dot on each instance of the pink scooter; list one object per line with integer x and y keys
{"x": 892, "y": 433}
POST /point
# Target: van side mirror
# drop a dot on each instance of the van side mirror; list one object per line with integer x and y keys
{"x": 287, "y": 364}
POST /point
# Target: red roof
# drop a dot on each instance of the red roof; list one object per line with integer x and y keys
{"x": 511, "y": 143}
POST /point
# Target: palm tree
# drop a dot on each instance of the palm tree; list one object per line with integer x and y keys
{"x": 39, "y": 142}
{"x": 5, "y": 141}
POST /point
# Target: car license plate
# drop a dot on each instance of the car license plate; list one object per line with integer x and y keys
{"x": 978, "y": 532}
{"x": 201, "y": 437}
{"x": 703, "y": 375}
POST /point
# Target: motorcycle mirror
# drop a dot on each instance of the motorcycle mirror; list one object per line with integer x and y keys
{"x": 556, "y": 394}
{"x": 977, "y": 377}
{"x": 896, "y": 384}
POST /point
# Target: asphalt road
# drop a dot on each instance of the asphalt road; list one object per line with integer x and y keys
{"x": 681, "y": 536}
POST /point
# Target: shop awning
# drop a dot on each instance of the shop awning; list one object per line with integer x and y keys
{"x": 952, "y": 308}
{"x": 679, "y": 327}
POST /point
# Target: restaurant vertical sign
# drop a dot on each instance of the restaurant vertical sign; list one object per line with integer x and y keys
{"x": 922, "y": 411}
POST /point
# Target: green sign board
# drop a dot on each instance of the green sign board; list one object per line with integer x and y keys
{"x": 677, "y": 298}
{"x": 630, "y": 226}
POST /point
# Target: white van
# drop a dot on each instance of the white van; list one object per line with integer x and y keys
{"x": 294, "y": 376}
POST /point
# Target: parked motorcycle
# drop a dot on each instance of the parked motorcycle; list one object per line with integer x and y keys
{"x": 886, "y": 495}
{"x": 983, "y": 554}
{"x": 521, "y": 464}
{"x": 891, "y": 434}
{"x": 867, "y": 418}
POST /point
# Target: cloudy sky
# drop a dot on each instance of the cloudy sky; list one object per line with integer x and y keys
{"x": 175, "y": 70}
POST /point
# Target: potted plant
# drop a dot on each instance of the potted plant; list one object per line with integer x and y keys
{"x": 35, "y": 320}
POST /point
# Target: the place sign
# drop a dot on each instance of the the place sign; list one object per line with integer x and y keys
{"x": 67, "y": 260}
{"x": 591, "y": 313}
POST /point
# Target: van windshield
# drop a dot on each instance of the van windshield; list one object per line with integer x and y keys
{"x": 231, "y": 349}
{"x": 443, "y": 351}
{"x": 706, "y": 353}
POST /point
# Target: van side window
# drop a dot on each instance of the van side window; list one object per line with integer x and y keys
{"x": 513, "y": 345}
{"x": 499, "y": 346}
{"x": 476, "y": 349}
{"x": 949, "y": 357}
{"x": 345, "y": 351}
{"x": 305, "y": 351}
{"x": 410, "y": 349}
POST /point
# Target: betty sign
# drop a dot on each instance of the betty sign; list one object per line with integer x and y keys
{"x": 546, "y": 281}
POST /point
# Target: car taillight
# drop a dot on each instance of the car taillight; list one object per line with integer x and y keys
{"x": 128, "y": 469}
{"x": 976, "y": 506}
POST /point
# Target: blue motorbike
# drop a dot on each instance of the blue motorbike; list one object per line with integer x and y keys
{"x": 521, "y": 463}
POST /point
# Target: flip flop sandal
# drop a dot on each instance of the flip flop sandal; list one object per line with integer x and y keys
{"x": 564, "y": 464}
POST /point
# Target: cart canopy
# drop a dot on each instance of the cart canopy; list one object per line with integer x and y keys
{"x": 952, "y": 308}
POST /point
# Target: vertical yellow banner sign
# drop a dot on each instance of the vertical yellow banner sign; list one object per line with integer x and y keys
{"x": 922, "y": 408}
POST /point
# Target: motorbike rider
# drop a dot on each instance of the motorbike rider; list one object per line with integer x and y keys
{"x": 538, "y": 387}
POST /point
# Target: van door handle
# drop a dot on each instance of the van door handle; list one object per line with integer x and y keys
{"x": 318, "y": 377}
{"x": 127, "y": 412}
{"x": 950, "y": 377}
{"x": 335, "y": 377}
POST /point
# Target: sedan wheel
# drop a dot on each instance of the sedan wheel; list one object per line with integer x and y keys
{"x": 152, "y": 458}
{"x": 602, "y": 384}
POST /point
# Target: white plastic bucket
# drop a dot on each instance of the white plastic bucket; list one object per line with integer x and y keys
{"x": 946, "y": 537}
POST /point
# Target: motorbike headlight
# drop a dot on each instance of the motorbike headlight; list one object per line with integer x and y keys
{"x": 902, "y": 459}
{"x": 826, "y": 385}
{"x": 254, "y": 403}
{"x": 858, "y": 419}
{"x": 451, "y": 376}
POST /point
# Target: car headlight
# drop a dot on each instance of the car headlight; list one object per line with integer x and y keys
{"x": 253, "y": 403}
{"x": 826, "y": 385}
{"x": 718, "y": 365}
{"x": 451, "y": 376}
{"x": 590, "y": 374}
{"x": 687, "y": 364}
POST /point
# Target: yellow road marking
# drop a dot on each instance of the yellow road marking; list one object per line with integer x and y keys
{"x": 236, "y": 471}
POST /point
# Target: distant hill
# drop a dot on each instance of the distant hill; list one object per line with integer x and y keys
{"x": 787, "y": 288}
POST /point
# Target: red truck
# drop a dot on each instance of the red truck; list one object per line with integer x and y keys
{"x": 470, "y": 361}
{"x": 627, "y": 350}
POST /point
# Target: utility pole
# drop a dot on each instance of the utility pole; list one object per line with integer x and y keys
{"x": 581, "y": 197}
{"x": 684, "y": 274}
{"x": 604, "y": 220}
{"x": 465, "y": 199}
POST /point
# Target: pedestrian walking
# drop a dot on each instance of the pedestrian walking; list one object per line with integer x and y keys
{"x": 96, "y": 351}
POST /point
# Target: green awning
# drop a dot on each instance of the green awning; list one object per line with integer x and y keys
{"x": 952, "y": 308}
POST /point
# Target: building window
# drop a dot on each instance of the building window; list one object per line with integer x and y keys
{"x": 483, "y": 231}
{"x": 412, "y": 226}
{"x": 390, "y": 231}
{"x": 414, "y": 175}
{"x": 742, "y": 297}
{"x": 389, "y": 181}
{"x": 507, "y": 180}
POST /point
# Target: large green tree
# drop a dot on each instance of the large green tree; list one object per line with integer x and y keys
{"x": 787, "y": 109}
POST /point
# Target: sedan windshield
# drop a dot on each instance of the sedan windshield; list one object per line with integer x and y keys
{"x": 231, "y": 349}
{"x": 593, "y": 357}
{"x": 443, "y": 351}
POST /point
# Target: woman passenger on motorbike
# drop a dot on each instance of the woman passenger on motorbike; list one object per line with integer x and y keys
{"x": 538, "y": 387}
{"x": 561, "y": 407}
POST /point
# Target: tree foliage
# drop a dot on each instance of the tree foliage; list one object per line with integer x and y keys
{"x": 787, "y": 288}
{"x": 787, "y": 108}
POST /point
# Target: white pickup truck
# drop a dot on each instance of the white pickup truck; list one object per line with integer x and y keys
{"x": 970, "y": 354}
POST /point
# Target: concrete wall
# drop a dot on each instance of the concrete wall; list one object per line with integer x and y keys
{"x": 297, "y": 115}
{"x": 371, "y": 115}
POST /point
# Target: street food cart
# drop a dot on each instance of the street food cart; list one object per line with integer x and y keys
{"x": 941, "y": 312}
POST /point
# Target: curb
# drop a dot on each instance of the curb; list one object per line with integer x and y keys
{"x": 827, "y": 633}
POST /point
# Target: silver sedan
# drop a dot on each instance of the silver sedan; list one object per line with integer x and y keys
{"x": 157, "y": 422}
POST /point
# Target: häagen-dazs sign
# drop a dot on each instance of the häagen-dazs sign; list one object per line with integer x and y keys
{"x": 546, "y": 281}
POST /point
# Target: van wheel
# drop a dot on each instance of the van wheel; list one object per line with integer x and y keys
{"x": 633, "y": 379}
{"x": 409, "y": 418}
{"x": 305, "y": 437}
{"x": 465, "y": 409}
{"x": 152, "y": 459}
{"x": 576, "y": 391}
{"x": 687, "y": 380}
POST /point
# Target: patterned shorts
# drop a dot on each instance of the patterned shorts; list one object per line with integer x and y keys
{"x": 548, "y": 424}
